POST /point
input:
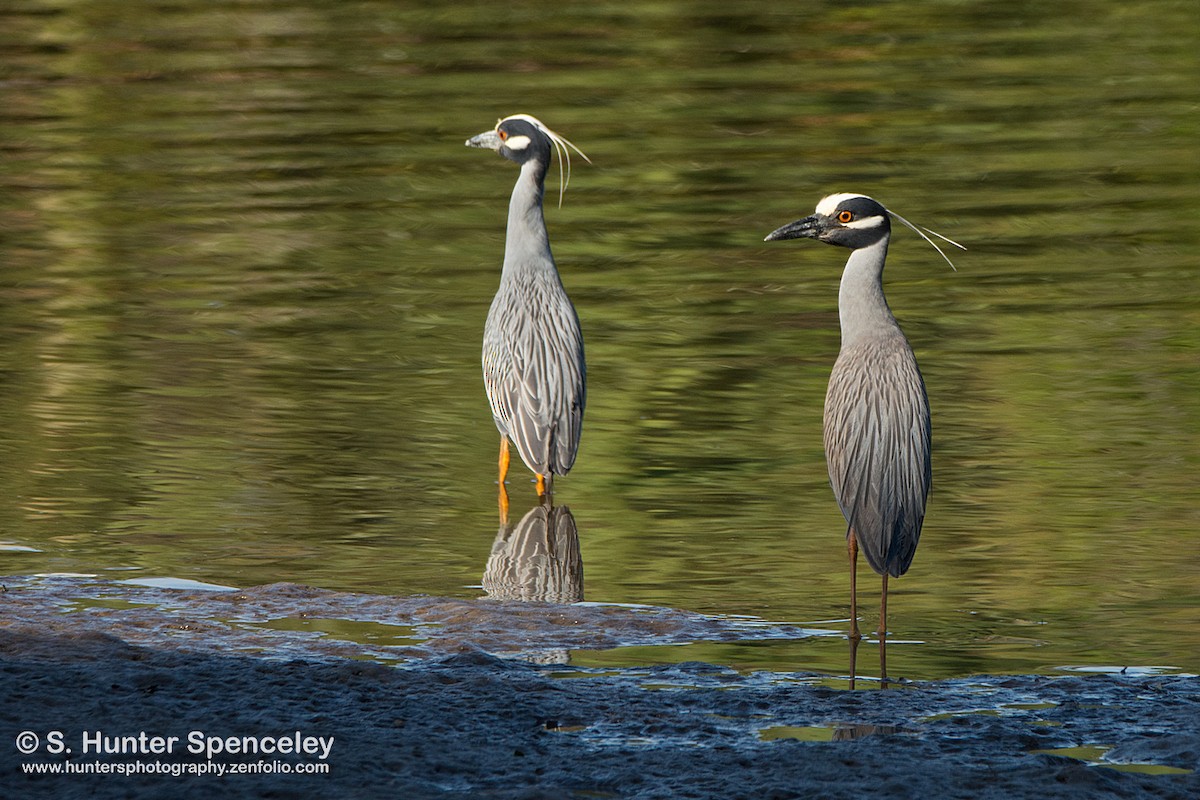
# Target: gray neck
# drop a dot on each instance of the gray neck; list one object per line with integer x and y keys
{"x": 862, "y": 308}
{"x": 527, "y": 247}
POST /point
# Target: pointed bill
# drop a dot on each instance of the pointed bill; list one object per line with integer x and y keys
{"x": 489, "y": 140}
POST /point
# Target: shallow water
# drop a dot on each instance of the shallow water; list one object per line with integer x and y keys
{"x": 246, "y": 262}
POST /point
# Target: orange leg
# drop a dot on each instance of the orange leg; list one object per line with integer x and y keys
{"x": 503, "y": 502}
{"x": 502, "y": 499}
{"x": 852, "y": 546}
{"x": 504, "y": 459}
{"x": 541, "y": 485}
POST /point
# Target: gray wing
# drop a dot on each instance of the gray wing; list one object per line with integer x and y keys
{"x": 877, "y": 444}
{"x": 534, "y": 372}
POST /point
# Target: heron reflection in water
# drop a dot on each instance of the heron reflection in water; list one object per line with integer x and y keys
{"x": 537, "y": 559}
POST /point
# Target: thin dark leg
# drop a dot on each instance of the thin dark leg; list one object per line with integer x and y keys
{"x": 883, "y": 678}
{"x": 852, "y": 546}
{"x": 883, "y": 607}
{"x": 854, "y": 640}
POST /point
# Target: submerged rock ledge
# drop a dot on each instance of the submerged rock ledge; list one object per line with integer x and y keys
{"x": 284, "y": 620}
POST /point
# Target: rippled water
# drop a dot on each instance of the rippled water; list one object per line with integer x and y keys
{"x": 245, "y": 262}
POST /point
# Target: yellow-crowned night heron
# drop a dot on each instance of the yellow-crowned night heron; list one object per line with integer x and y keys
{"x": 533, "y": 365}
{"x": 877, "y": 431}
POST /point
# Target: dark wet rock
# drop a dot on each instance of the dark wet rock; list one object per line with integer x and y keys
{"x": 461, "y": 722}
{"x": 1159, "y": 748}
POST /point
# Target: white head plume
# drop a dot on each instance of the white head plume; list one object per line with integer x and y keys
{"x": 921, "y": 231}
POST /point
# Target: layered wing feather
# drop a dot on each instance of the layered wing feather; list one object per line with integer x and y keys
{"x": 534, "y": 372}
{"x": 877, "y": 445}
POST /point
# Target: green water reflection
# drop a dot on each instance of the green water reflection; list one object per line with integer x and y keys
{"x": 245, "y": 262}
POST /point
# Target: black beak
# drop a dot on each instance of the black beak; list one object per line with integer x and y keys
{"x": 807, "y": 228}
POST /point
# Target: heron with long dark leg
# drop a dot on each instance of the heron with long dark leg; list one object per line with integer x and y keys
{"x": 877, "y": 429}
{"x": 533, "y": 364}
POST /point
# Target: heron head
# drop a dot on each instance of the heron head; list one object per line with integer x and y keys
{"x": 849, "y": 220}
{"x": 854, "y": 221}
{"x": 523, "y": 139}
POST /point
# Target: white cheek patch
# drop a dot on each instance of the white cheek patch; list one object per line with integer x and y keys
{"x": 517, "y": 142}
{"x": 865, "y": 223}
{"x": 829, "y": 204}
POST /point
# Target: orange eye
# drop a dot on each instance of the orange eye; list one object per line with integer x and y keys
{"x": 503, "y": 134}
{"x": 844, "y": 216}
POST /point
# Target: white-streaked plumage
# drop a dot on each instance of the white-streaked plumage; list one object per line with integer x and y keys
{"x": 533, "y": 359}
{"x": 877, "y": 425}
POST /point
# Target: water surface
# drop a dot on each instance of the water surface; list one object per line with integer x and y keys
{"x": 245, "y": 262}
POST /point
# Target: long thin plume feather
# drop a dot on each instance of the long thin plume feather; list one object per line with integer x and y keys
{"x": 561, "y": 145}
{"x": 921, "y": 231}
